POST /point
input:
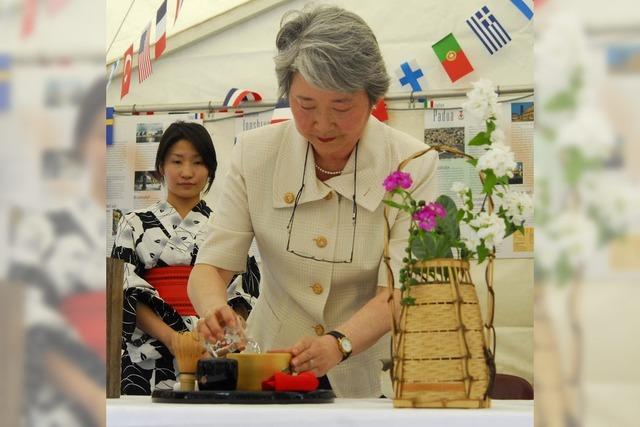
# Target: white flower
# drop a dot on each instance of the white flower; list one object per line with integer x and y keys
{"x": 482, "y": 100}
{"x": 462, "y": 191}
{"x": 589, "y": 133}
{"x": 459, "y": 187}
{"x": 571, "y": 236}
{"x": 469, "y": 237}
{"x": 612, "y": 199}
{"x": 490, "y": 228}
{"x": 499, "y": 158}
{"x": 518, "y": 206}
{"x": 561, "y": 48}
{"x": 498, "y": 137}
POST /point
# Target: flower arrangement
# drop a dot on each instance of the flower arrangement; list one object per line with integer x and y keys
{"x": 446, "y": 229}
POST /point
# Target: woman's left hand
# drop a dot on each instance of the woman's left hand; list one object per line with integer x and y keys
{"x": 315, "y": 354}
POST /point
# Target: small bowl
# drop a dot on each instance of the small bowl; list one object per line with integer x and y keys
{"x": 253, "y": 368}
{"x": 217, "y": 374}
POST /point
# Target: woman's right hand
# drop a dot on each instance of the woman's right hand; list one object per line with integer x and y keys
{"x": 211, "y": 325}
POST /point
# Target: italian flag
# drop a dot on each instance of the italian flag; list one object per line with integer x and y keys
{"x": 452, "y": 57}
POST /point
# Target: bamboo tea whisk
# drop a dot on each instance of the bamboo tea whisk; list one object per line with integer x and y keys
{"x": 188, "y": 349}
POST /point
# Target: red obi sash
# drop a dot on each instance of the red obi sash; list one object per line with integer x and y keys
{"x": 86, "y": 312}
{"x": 171, "y": 284}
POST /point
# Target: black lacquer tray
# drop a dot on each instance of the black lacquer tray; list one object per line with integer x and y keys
{"x": 242, "y": 397}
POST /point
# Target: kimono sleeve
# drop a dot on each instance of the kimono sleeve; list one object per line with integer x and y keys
{"x": 124, "y": 248}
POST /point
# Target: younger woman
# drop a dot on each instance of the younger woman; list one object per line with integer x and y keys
{"x": 159, "y": 245}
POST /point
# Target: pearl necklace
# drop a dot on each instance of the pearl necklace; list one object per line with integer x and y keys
{"x": 326, "y": 172}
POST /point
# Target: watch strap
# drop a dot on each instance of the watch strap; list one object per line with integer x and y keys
{"x": 339, "y": 336}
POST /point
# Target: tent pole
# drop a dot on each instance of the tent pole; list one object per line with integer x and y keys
{"x": 210, "y": 106}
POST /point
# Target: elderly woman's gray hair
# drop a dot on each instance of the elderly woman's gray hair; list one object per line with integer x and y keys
{"x": 332, "y": 49}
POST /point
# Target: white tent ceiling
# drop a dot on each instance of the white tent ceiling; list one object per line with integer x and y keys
{"x": 127, "y": 19}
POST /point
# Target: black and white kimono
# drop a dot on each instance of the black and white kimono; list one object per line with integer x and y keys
{"x": 157, "y": 236}
{"x": 58, "y": 256}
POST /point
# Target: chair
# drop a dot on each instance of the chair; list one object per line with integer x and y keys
{"x": 115, "y": 279}
{"x": 511, "y": 387}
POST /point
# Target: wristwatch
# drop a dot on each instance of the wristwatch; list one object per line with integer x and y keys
{"x": 344, "y": 343}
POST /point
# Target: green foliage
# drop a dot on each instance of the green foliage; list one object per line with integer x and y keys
{"x": 576, "y": 165}
{"x": 444, "y": 240}
{"x": 396, "y": 205}
{"x": 483, "y": 253}
{"x": 408, "y": 301}
{"x": 568, "y": 99}
{"x": 482, "y": 138}
{"x": 449, "y": 225}
{"x": 430, "y": 245}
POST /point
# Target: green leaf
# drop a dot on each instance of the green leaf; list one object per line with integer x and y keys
{"x": 448, "y": 226}
{"x": 430, "y": 245}
{"x": 576, "y": 165}
{"x": 423, "y": 247}
{"x": 562, "y": 101}
{"x": 396, "y": 205}
{"x": 483, "y": 253}
{"x": 482, "y": 138}
{"x": 568, "y": 99}
{"x": 490, "y": 181}
{"x": 472, "y": 162}
{"x": 510, "y": 228}
{"x": 491, "y": 126}
{"x": 408, "y": 301}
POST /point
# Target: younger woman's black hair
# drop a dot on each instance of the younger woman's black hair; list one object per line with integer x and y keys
{"x": 197, "y": 135}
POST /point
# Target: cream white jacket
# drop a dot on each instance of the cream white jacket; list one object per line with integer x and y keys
{"x": 300, "y": 296}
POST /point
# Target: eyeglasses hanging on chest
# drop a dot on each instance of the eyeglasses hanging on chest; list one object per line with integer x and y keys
{"x": 354, "y": 216}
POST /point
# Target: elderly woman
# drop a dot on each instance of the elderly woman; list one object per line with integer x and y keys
{"x": 310, "y": 192}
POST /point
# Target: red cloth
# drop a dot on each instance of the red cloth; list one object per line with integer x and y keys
{"x": 87, "y": 313}
{"x": 304, "y": 381}
{"x": 171, "y": 284}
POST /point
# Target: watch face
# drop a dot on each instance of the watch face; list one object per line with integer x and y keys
{"x": 346, "y": 345}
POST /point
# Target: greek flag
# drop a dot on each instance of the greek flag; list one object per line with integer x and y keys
{"x": 490, "y": 32}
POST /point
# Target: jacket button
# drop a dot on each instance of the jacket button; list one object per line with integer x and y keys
{"x": 317, "y": 288}
{"x": 329, "y": 196}
{"x": 319, "y": 330}
{"x": 289, "y": 197}
{"x": 321, "y": 241}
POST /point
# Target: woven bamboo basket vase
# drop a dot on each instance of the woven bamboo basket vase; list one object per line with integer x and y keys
{"x": 442, "y": 351}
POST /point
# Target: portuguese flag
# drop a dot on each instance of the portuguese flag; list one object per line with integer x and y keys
{"x": 452, "y": 57}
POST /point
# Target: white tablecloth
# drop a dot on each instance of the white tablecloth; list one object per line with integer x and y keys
{"x": 135, "y": 411}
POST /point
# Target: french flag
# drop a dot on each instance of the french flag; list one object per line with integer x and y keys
{"x": 235, "y": 96}
{"x": 161, "y": 29}
{"x": 282, "y": 112}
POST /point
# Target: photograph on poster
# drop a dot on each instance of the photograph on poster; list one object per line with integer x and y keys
{"x": 518, "y": 174}
{"x": 116, "y": 215}
{"x": 522, "y": 111}
{"x": 148, "y": 132}
{"x": 624, "y": 59}
{"x": 146, "y": 181}
{"x": 451, "y": 136}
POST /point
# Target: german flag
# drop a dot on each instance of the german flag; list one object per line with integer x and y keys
{"x": 452, "y": 57}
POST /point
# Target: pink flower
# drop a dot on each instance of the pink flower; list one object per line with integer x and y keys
{"x": 397, "y": 179}
{"x": 426, "y": 216}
